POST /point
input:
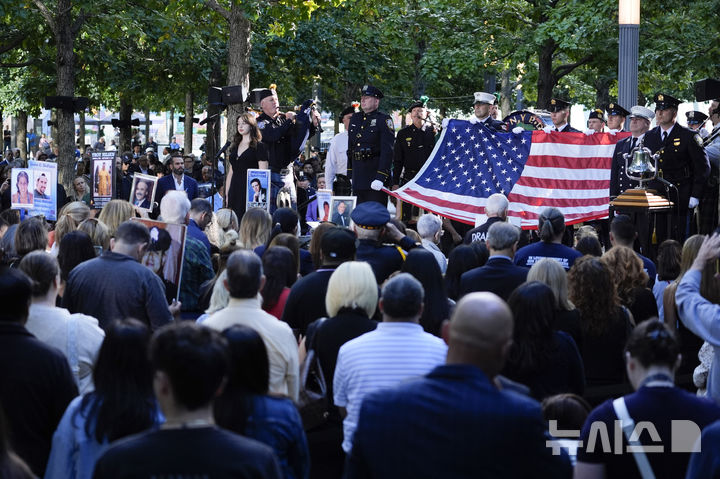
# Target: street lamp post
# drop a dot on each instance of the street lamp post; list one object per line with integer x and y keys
{"x": 629, "y": 22}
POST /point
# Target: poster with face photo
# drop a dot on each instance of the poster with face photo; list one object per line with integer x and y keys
{"x": 341, "y": 208}
{"x": 164, "y": 254}
{"x": 258, "y": 189}
{"x": 103, "y": 177}
{"x": 21, "y": 195}
{"x": 324, "y": 201}
{"x": 142, "y": 191}
{"x": 44, "y": 191}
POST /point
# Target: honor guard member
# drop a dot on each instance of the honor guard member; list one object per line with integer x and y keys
{"x": 336, "y": 164}
{"x": 616, "y": 116}
{"x": 596, "y": 121}
{"x": 640, "y": 118}
{"x": 413, "y": 145}
{"x": 696, "y": 122}
{"x": 284, "y": 135}
{"x": 372, "y": 226}
{"x": 370, "y": 146}
{"x": 483, "y": 107}
{"x": 709, "y": 201}
{"x": 560, "y": 114}
{"x": 682, "y": 162}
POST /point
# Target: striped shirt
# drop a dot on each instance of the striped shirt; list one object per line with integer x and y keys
{"x": 380, "y": 359}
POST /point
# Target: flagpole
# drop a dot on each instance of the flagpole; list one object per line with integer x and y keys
{"x": 628, "y": 46}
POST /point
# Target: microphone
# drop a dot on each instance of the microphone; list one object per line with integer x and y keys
{"x": 222, "y": 150}
{"x": 211, "y": 117}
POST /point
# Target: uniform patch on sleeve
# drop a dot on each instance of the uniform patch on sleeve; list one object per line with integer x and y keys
{"x": 390, "y": 124}
{"x": 261, "y": 124}
{"x": 698, "y": 140}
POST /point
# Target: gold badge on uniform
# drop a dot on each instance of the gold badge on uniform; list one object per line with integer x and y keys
{"x": 661, "y": 98}
{"x": 390, "y": 124}
{"x": 698, "y": 140}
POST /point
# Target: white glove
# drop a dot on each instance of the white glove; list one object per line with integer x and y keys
{"x": 445, "y": 122}
{"x": 589, "y": 132}
{"x": 612, "y": 131}
{"x": 518, "y": 129}
{"x": 693, "y": 202}
{"x": 376, "y": 185}
{"x": 548, "y": 129}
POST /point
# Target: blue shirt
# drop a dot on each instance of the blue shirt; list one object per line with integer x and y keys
{"x": 194, "y": 231}
{"x": 534, "y": 252}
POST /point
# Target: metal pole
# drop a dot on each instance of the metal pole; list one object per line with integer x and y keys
{"x": 628, "y": 66}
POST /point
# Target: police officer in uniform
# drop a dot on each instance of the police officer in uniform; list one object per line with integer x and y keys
{"x": 696, "y": 122}
{"x": 596, "y": 121}
{"x": 483, "y": 107}
{"x": 709, "y": 201}
{"x": 413, "y": 145}
{"x": 682, "y": 162}
{"x": 370, "y": 147}
{"x": 616, "y": 116}
{"x": 372, "y": 225}
{"x": 640, "y": 118}
{"x": 560, "y": 114}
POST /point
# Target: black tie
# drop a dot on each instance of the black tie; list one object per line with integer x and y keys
{"x": 632, "y": 145}
{"x": 664, "y": 136}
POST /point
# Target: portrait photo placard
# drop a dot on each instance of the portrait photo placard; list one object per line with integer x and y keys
{"x": 341, "y": 208}
{"x": 142, "y": 191}
{"x": 324, "y": 203}
{"x": 103, "y": 177}
{"x": 258, "y": 189}
{"x": 44, "y": 183}
{"x": 21, "y": 184}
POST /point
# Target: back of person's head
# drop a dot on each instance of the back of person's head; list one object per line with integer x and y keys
{"x": 124, "y": 402}
{"x": 284, "y": 220}
{"x": 584, "y": 231}
{"x": 623, "y": 230}
{"x": 497, "y": 205}
{"x": 592, "y": 290}
{"x": 653, "y": 343}
{"x": 226, "y": 229}
{"x": 63, "y": 226}
{"x": 15, "y": 295}
{"x": 114, "y": 213}
{"x": 502, "y": 236}
{"x": 244, "y": 274}
{"x": 194, "y": 359}
{"x": 31, "y": 235}
{"x": 200, "y": 206}
{"x": 690, "y": 249}
{"x": 98, "y": 232}
{"x": 292, "y": 243}
{"x": 428, "y": 226}
{"x": 248, "y": 375}
{"x": 668, "y": 260}
{"x": 42, "y": 269}
{"x": 353, "y": 286}
{"x": 280, "y": 272}
{"x": 589, "y": 245}
{"x": 132, "y": 233}
{"x": 480, "y": 332}
{"x": 461, "y": 259}
{"x": 11, "y": 216}
{"x": 76, "y": 247}
{"x": 255, "y": 228}
{"x": 533, "y": 308}
{"x": 338, "y": 245}
{"x": 7, "y": 245}
{"x": 627, "y": 272}
{"x": 315, "y": 247}
{"x": 402, "y": 298}
{"x": 549, "y": 272}
{"x": 551, "y": 224}
{"x": 422, "y": 265}
{"x": 174, "y": 207}
{"x": 220, "y": 296}
{"x": 481, "y": 251}
{"x": 77, "y": 210}
{"x": 569, "y": 411}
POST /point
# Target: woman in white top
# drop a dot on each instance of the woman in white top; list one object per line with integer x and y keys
{"x": 78, "y": 336}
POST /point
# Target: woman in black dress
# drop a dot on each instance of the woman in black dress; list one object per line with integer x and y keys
{"x": 246, "y": 152}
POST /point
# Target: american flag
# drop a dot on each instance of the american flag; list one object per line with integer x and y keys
{"x": 535, "y": 170}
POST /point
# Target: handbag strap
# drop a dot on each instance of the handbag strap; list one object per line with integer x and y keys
{"x": 628, "y": 426}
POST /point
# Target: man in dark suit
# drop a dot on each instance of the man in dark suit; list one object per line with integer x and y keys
{"x": 640, "y": 118}
{"x": 683, "y": 162}
{"x": 341, "y": 216}
{"x": 499, "y": 275}
{"x": 560, "y": 116}
{"x": 469, "y": 426}
{"x": 178, "y": 180}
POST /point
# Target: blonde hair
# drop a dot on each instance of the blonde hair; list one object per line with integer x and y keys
{"x": 114, "y": 213}
{"x": 549, "y": 272}
{"x": 98, "y": 232}
{"x": 352, "y": 285}
{"x": 220, "y": 295}
{"x": 255, "y": 228}
{"x": 627, "y": 272}
{"x": 224, "y": 229}
{"x": 71, "y": 215}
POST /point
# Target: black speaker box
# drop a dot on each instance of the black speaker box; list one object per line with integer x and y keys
{"x": 707, "y": 89}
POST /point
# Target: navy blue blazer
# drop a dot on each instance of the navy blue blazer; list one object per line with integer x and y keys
{"x": 452, "y": 423}
{"x": 499, "y": 276}
{"x": 167, "y": 183}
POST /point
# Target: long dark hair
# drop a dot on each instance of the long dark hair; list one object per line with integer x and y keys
{"x": 461, "y": 260}
{"x": 280, "y": 272}
{"x": 249, "y": 375}
{"x": 255, "y": 135}
{"x": 422, "y": 264}
{"x": 533, "y": 308}
{"x": 284, "y": 220}
{"x": 123, "y": 402}
{"x": 75, "y": 248}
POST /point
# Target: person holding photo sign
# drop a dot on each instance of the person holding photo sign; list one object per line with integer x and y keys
{"x": 246, "y": 152}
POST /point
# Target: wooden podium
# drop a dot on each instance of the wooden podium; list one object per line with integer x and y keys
{"x": 642, "y": 205}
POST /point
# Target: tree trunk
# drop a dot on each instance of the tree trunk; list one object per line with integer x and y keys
{"x": 125, "y": 131}
{"x": 171, "y": 130}
{"x": 21, "y": 133}
{"x": 188, "y": 122}
{"x": 505, "y": 93}
{"x": 602, "y": 91}
{"x": 53, "y": 126}
{"x": 546, "y": 80}
{"x": 147, "y": 126}
{"x": 213, "y": 126}
{"x": 419, "y": 80}
{"x": 81, "y": 132}
{"x": 65, "y": 64}
{"x": 239, "y": 47}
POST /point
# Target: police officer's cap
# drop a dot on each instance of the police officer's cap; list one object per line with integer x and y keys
{"x": 663, "y": 101}
{"x": 597, "y": 113}
{"x": 369, "y": 90}
{"x": 370, "y": 215}
{"x": 159, "y": 239}
{"x": 641, "y": 112}
{"x": 338, "y": 244}
{"x": 614, "y": 109}
{"x": 347, "y": 111}
{"x": 259, "y": 94}
{"x": 482, "y": 97}
{"x": 695, "y": 117}
{"x": 556, "y": 104}
{"x": 416, "y": 104}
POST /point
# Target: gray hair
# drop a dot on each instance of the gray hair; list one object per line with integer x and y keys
{"x": 402, "y": 297}
{"x": 502, "y": 236}
{"x": 174, "y": 207}
{"x": 428, "y": 225}
{"x": 497, "y": 204}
